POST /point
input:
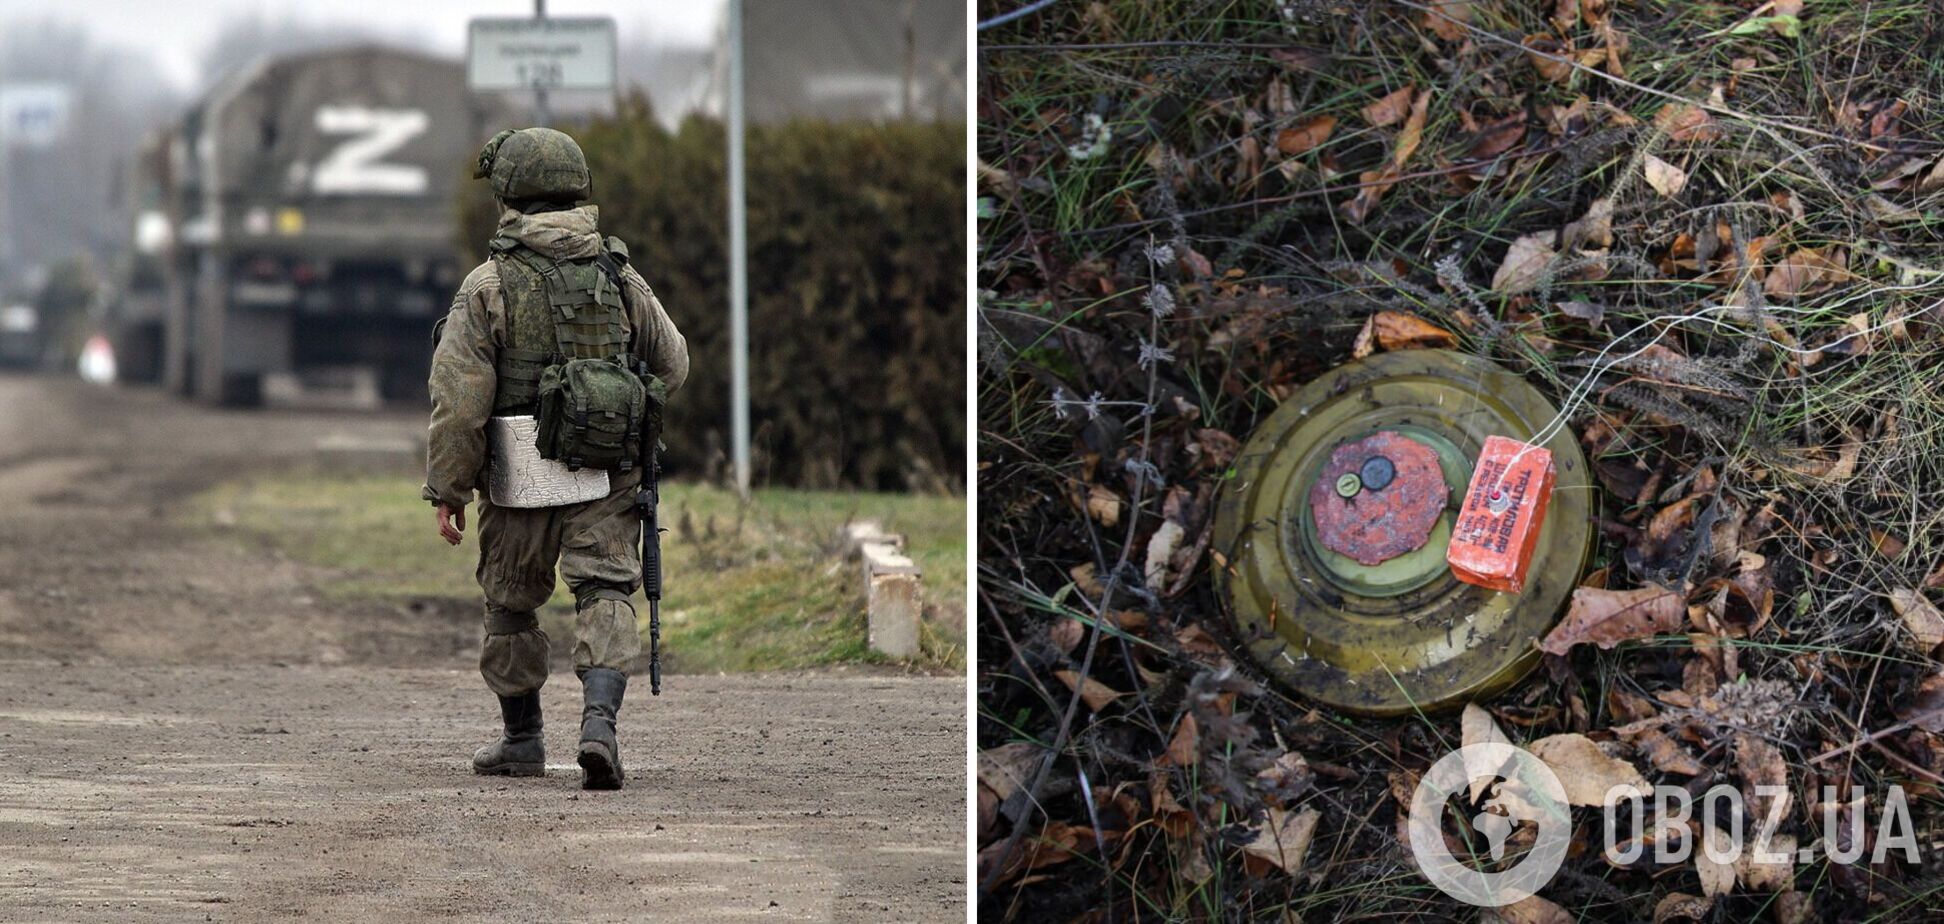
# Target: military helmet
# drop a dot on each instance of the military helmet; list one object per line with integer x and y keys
{"x": 535, "y": 164}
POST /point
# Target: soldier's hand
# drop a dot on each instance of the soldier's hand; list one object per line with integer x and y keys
{"x": 452, "y": 524}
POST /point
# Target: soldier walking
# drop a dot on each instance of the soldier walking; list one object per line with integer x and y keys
{"x": 531, "y": 342}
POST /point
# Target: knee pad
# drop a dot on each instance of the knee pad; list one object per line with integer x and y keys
{"x": 586, "y": 594}
{"x": 502, "y": 621}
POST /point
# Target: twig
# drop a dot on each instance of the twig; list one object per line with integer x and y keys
{"x": 1717, "y": 108}
{"x": 1872, "y": 737}
{"x": 1024, "y": 11}
{"x": 1165, "y": 43}
{"x": 1031, "y": 791}
{"x": 1324, "y": 191}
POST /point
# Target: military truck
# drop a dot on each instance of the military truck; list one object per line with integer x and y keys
{"x": 306, "y": 215}
{"x": 20, "y": 337}
{"x": 138, "y": 315}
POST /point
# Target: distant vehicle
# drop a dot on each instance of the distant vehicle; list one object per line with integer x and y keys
{"x": 294, "y": 229}
{"x": 20, "y": 337}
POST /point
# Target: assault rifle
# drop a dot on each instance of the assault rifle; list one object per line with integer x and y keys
{"x": 647, "y": 499}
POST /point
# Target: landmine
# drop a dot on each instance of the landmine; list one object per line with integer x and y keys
{"x": 1332, "y": 532}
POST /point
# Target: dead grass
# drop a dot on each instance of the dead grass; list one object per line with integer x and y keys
{"x": 1764, "y": 364}
{"x": 747, "y": 587}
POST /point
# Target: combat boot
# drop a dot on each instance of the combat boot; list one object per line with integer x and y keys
{"x": 520, "y": 751}
{"x": 600, "y": 757}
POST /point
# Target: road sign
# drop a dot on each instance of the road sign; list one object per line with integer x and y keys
{"x": 33, "y": 115}
{"x": 531, "y": 53}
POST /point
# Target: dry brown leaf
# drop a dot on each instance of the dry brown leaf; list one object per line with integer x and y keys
{"x": 1066, "y": 632}
{"x": 1161, "y": 548}
{"x": 1839, "y": 470}
{"x": 1854, "y": 337}
{"x": 1666, "y": 178}
{"x": 1594, "y": 229}
{"x": 1450, "y": 25}
{"x": 1009, "y": 767}
{"x": 1497, "y": 138}
{"x": 1174, "y": 819}
{"x": 1305, "y": 136}
{"x": 1300, "y": 59}
{"x": 1794, "y": 908}
{"x": 988, "y": 815}
{"x": 1398, "y": 330}
{"x": 1529, "y": 910}
{"x": 1672, "y": 522}
{"x": 1593, "y": 313}
{"x": 1664, "y": 753}
{"x": 1565, "y": 15}
{"x": 1680, "y": 906}
{"x": 1391, "y": 108}
{"x": 1288, "y": 772}
{"x": 1283, "y": 838}
{"x": 1477, "y": 727}
{"x": 1104, "y": 505}
{"x": 1933, "y": 180}
{"x": 1586, "y": 771}
{"x": 1057, "y": 843}
{"x": 1716, "y": 878}
{"x": 1546, "y": 54}
{"x": 1366, "y": 342}
{"x": 1884, "y": 210}
{"x": 1413, "y": 132}
{"x": 1184, "y": 749}
{"x": 1800, "y": 273}
{"x": 1524, "y": 264}
{"x": 1215, "y": 448}
{"x": 1608, "y": 617}
{"x": 1373, "y": 183}
{"x": 1371, "y": 187}
{"x": 1759, "y": 763}
{"x": 1925, "y": 709}
{"x": 1085, "y": 581}
{"x": 1686, "y": 122}
{"x": 1616, "y": 48}
{"x": 1776, "y": 876}
{"x": 1923, "y": 622}
{"x": 1095, "y": 694}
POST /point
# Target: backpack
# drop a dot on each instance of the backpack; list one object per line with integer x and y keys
{"x": 593, "y": 400}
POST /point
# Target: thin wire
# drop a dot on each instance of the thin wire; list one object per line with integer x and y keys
{"x": 1581, "y": 390}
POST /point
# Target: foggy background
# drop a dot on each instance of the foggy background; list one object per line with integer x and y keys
{"x": 129, "y": 66}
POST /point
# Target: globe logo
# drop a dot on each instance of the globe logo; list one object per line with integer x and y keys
{"x": 1513, "y": 788}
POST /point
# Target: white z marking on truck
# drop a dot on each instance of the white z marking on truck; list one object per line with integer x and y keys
{"x": 355, "y": 166}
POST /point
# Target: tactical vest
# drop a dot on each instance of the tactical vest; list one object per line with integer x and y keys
{"x": 555, "y": 311}
{"x": 568, "y": 359}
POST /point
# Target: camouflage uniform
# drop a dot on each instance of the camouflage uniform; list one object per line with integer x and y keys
{"x": 594, "y": 543}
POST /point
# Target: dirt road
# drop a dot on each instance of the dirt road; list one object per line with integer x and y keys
{"x": 188, "y": 733}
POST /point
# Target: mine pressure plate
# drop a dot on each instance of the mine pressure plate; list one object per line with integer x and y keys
{"x": 1333, "y": 527}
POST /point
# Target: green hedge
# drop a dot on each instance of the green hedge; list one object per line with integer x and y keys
{"x": 856, "y": 280}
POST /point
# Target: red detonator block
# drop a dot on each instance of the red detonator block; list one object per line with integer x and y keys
{"x": 1498, "y": 526}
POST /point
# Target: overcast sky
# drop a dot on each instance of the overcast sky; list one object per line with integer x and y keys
{"x": 178, "y": 32}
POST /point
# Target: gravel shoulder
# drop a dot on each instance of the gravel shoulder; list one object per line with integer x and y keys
{"x": 187, "y": 733}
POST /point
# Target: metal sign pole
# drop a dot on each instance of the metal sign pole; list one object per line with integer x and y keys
{"x": 540, "y": 114}
{"x": 7, "y": 255}
{"x": 738, "y": 260}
